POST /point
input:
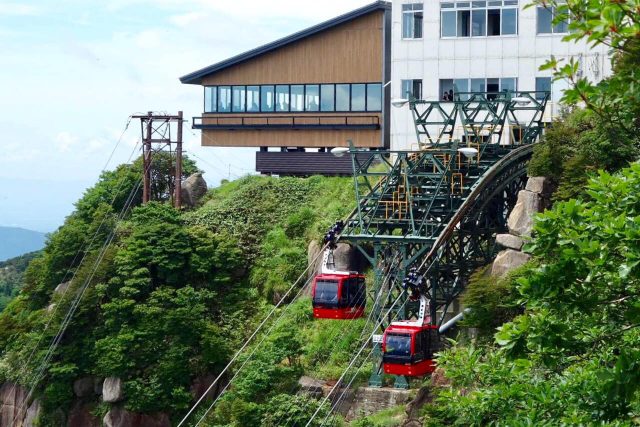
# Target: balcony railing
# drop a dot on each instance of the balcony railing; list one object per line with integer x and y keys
{"x": 287, "y": 122}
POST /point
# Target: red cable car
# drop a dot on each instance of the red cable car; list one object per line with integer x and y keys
{"x": 408, "y": 348}
{"x": 339, "y": 296}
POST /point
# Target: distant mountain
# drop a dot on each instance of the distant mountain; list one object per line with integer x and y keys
{"x": 18, "y": 241}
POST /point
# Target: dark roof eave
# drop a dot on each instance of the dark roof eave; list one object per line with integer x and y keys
{"x": 196, "y": 76}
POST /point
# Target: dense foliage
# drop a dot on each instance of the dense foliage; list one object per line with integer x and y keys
{"x": 11, "y": 275}
{"x": 607, "y": 134}
{"x": 572, "y": 357}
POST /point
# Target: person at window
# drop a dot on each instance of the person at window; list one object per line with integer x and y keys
{"x": 445, "y": 96}
{"x": 450, "y": 94}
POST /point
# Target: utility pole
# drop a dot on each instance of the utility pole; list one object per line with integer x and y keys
{"x": 156, "y": 132}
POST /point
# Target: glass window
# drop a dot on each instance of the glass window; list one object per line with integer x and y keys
{"x": 449, "y": 24}
{"x": 326, "y": 292}
{"x": 266, "y": 98}
{"x": 446, "y": 89}
{"x": 327, "y": 97}
{"x": 297, "y": 97}
{"x": 224, "y": 99}
{"x": 461, "y": 85}
{"x": 464, "y": 22}
{"x": 253, "y": 99}
{"x": 282, "y": 98}
{"x": 545, "y": 17}
{"x": 412, "y": 21}
{"x": 493, "y": 87}
{"x": 210, "y": 99}
{"x": 478, "y": 23}
{"x": 358, "y": 97}
{"x": 374, "y": 97}
{"x": 412, "y": 89}
{"x": 239, "y": 98}
{"x": 312, "y": 98}
{"x": 342, "y": 97}
{"x": 508, "y": 84}
{"x": 543, "y": 84}
{"x": 509, "y": 21}
{"x": 398, "y": 345}
{"x": 560, "y": 27}
{"x": 493, "y": 22}
{"x": 477, "y": 85}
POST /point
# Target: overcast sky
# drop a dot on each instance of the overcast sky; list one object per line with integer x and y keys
{"x": 72, "y": 71}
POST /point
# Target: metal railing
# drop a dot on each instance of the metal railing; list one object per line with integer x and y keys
{"x": 287, "y": 121}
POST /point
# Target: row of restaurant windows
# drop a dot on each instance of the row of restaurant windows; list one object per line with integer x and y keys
{"x": 450, "y": 87}
{"x": 477, "y": 19}
{"x": 296, "y": 98}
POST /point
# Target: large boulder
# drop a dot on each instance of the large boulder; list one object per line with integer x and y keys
{"x": 311, "y": 386}
{"x": 541, "y": 185}
{"x": 62, "y": 288}
{"x": 84, "y": 387}
{"x": 193, "y": 189}
{"x": 120, "y": 417}
{"x": 112, "y": 390}
{"x": 201, "y": 384}
{"x": 508, "y": 260}
{"x": 510, "y": 241}
{"x": 520, "y": 220}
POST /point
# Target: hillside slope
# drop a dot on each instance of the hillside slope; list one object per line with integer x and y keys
{"x": 17, "y": 241}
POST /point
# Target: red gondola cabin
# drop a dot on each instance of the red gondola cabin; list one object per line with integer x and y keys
{"x": 339, "y": 296}
{"x": 408, "y": 349}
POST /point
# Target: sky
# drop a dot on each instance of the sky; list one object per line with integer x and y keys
{"x": 73, "y": 71}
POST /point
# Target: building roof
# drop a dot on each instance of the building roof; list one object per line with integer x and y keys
{"x": 196, "y": 76}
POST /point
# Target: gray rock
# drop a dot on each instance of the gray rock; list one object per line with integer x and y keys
{"x": 345, "y": 258}
{"x": 200, "y": 385}
{"x": 193, "y": 189}
{"x": 540, "y": 184}
{"x": 510, "y": 241}
{"x": 311, "y": 386}
{"x": 112, "y": 390}
{"x": 12, "y": 399}
{"x": 520, "y": 219}
{"x": 97, "y": 386}
{"x": 33, "y": 413}
{"x": 83, "y": 387}
{"x": 508, "y": 260}
{"x": 51, "y": 308}
{"x": 61, "y": 288}
{"x": 119, "y": 417}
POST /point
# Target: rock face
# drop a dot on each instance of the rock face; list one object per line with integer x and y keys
{"x": 369, "y": 400}
{"x": 201, "y": 384}
{"x": 32, "y": 414}
{"x": 508, "y": 260}
{"x": 12, "y": 405}
{"x": 311, "y": 386}
{"x": 510, "y": 241}
{"x": 119, "y": 417}
{"x": 193, "y": 189}
{"x": 61, "y": 288}
{"x": 112, "y": 390}
{"x": 534, "y": 199}
{"x": 314, "y": 257}
{"x": 520, "y": 220}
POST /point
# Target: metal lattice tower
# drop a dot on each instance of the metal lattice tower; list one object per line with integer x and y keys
{"x": 438, "y": 207}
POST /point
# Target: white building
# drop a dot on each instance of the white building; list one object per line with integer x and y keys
{"x": 441, "y": 47}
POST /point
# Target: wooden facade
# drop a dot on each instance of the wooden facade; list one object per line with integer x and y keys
{"x": 353, "y": 48}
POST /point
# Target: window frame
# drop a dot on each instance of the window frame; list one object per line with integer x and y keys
{"x": 474, "y": 8}
{"x": 412, "y": 12}
{"x": 552, "y": 26}
{"x": 264, "y": 90}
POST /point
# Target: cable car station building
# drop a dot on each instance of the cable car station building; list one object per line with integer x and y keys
{"x": 297, "y": 98}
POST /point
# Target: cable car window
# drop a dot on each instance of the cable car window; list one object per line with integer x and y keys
{"x": 398, "y": 345}
{"x": 326, "y": 292}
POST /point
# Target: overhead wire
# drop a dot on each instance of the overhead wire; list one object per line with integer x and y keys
{"x": 353, "y": 360}
{"x": 246, "y": 343}
{"x": 84, "y": 247}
